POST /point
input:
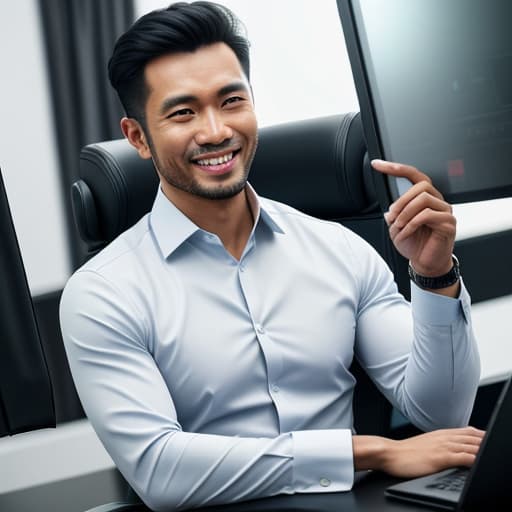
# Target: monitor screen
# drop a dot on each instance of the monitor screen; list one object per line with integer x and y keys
{"x": 26, "y": 399}
{"x": 434, "y": 81}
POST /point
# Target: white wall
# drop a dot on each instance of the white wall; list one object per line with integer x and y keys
{"x": 299, "y": 65}
{"x": 28, "y": 156}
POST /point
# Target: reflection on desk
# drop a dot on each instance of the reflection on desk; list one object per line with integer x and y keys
{"x": 367, "y": 495}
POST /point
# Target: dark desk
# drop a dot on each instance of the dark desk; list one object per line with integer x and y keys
{"x": 367, "y": 495}
{"x": 82, "y": 493}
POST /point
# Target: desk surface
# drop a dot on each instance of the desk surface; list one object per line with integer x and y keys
{"x": 367, "y": 495}
{"x": 82, "y": 493}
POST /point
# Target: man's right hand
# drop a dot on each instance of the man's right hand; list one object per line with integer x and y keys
{"x": 419, "y": 455}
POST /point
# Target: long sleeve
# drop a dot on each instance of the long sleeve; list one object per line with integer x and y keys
{"x": 132, "y": 411}
{"x": 426, "y": 360}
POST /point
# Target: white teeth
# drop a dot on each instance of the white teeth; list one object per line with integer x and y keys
{"x": 216, "y": 161}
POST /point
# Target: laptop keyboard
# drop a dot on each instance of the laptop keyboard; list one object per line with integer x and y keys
{"x": 452, "y": 482}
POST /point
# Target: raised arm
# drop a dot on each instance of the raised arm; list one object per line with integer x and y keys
{"x": 435, "y": 381}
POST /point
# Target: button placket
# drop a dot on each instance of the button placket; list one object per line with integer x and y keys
{"x": 271, "y": 353}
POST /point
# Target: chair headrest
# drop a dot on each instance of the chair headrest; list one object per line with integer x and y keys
{"x": 314, "y": 165}
{"x": 116, "y": 188}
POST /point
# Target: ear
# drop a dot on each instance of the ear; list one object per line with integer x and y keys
{"x": 133, "y": 131}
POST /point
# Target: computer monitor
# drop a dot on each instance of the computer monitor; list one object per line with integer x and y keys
{"x": 26, "y": 399}
{"x": 434, "y": 81}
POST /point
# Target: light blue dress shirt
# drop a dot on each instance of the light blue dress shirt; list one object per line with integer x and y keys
{"x": 211, "y": 380}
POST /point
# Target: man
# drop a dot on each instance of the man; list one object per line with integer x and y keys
{"x": 207, "y": 381}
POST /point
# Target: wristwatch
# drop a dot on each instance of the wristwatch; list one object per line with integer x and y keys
{"x": 434, "y": 283}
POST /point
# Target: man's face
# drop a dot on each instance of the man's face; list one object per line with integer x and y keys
{"x": 201, "y": 125}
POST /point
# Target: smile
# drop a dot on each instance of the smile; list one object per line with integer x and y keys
{"x": 216, "y": 161}
{"x": 218, "y": 165}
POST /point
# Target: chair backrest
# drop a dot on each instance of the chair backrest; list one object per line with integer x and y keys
{"x": 318, "y": 166}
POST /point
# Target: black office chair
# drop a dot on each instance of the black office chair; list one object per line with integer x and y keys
{"x": 318, "y": 166}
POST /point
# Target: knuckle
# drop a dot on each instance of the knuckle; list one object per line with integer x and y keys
{"x": 424, "y": 195}
{"x": 450, "y": 230}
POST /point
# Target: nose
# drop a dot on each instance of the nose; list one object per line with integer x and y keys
{"x": 213, "y": 129}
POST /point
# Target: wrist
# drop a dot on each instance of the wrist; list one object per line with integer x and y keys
{"x": 437, "y": 280}
{"x": 440, "y": 267}
{"x": 371, "y": 452}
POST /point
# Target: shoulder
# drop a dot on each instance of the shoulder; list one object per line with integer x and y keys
{"x": 122, "y": 250}
{"x": 116, "y": 270}
{"x": 103, "y": 296}
{"x": 330, "y": 240}
{"x": 290, "y": 218}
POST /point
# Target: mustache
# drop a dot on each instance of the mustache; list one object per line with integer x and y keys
{"x": 211, "y": 148}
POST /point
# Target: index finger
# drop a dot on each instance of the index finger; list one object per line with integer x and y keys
{"x": 401, "y": 170}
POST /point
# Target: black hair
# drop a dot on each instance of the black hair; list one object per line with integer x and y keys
{"x": 181, "y": 27}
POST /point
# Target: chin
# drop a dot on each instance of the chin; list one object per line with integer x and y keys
{"x": 222, "y": 192}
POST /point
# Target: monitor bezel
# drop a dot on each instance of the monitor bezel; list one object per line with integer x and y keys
{"x": 388, "y": 187}
{"x": 26, "y": 392}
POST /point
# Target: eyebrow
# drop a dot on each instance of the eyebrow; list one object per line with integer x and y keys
{"x": 233, "y": 87}
{"x": 174, "y": 101}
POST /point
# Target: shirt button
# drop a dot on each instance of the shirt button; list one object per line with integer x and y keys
{"x": 325, "y": 482}
{"x": 260, "y": 329}
{"x": 275, "y": 388}
{"x": 242, "y": 268}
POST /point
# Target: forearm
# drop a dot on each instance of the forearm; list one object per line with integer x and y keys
{"x": 427, "y": 363}
{"x": 443, "y": 370}
{"x": 183, "y": 470}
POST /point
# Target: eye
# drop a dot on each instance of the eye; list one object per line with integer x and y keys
{"x": 180, "y": 113}
{"x": 232, "y": 99}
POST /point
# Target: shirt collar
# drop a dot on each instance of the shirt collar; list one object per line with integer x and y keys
{"x": 260, "y": 211}
{"x": 171, "y": 227}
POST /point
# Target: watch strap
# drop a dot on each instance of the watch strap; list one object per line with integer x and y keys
{"x": 435, "y": 283}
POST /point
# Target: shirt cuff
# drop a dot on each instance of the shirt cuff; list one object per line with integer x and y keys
{"x": 322, "y": 460}
{"x": 436, "y": 309}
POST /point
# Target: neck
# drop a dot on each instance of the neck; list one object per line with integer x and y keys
{"x": 230, "y": 219}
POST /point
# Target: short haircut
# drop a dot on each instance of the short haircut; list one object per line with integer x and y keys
{"x": 181, "y": 27}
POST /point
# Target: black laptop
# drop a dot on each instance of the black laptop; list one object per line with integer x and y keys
{"x": 486, "y": 486}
